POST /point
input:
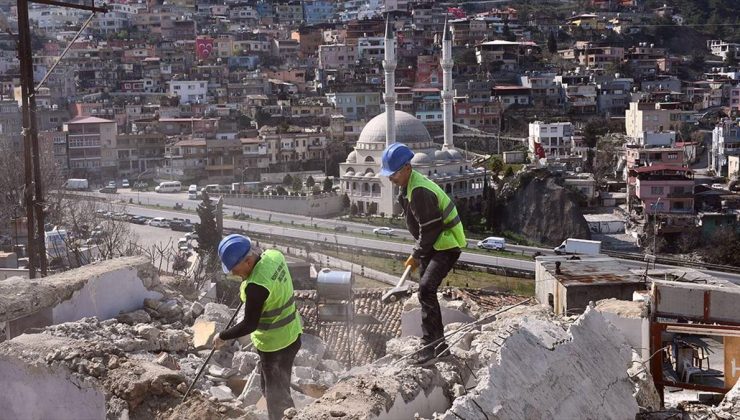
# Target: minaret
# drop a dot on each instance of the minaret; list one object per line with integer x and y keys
{"x": 389, "y": 66}
{"x": 447, "y": 95}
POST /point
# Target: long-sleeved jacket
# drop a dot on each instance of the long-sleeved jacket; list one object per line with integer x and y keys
{"x": 423, "y": 219}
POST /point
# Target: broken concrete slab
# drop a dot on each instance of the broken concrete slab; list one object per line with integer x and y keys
{"x": 452, "y": 311}
{"x": 581, "y": 373}
{"x": 222, "y": 393}
{"x": 245, "y": 361}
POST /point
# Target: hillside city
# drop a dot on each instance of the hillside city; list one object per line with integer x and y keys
{"x": 591, "y": 149}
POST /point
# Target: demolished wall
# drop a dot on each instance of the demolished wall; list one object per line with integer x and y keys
{"x": 102, "y": 290}
{"x": 544, "y": 371}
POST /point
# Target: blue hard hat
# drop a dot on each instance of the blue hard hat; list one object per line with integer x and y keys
{"x": 394, "y": 157}
{"x": 232, "y": 251}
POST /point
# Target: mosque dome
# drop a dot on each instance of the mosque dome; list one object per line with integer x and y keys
{"x": 454, "y": 154}
{"x": 420, "y": 158}
{"x": 441, "y": 155}
{"x": 352, "y": 157}
{"x": 409, "y": 130}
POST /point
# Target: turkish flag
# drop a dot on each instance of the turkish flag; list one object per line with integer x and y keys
{"x": 203, "y": 48}
{"x": 539, "y": 151}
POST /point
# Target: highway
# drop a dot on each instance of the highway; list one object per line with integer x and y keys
{"x": 167, "y": 201}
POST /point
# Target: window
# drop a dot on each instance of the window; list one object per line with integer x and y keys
{"x": 656, "y": 190}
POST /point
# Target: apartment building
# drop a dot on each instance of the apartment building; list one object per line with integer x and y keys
{"x": 555, "y": 138}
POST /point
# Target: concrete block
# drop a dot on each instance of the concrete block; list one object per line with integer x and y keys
{"x": 221, "y": 372}
{"x": 203, "y": 333}
{"x": 245, "y": 361}
{"x": 222, "y": 393}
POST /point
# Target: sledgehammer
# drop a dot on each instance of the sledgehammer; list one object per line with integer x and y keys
{"x": 400, "y": 289}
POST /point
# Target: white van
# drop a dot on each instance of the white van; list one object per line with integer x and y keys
{"x": 493, "y": 242}
{"x": 193, "y": 192}
{"x": 168, "y": 187}
{"x": 159, "y": 222}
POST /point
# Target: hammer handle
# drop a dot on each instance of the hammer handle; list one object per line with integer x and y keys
{"x": 405, "y": 275}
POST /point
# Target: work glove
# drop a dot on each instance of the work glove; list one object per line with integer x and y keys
{"x": 218, "y": 343}
{"x": 411, "y": 262}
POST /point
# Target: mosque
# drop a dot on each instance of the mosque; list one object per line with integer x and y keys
{"x": 360, "y": 174}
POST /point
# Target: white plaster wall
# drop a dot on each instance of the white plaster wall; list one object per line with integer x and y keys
{"x": 32, "y": 393}
{"x": 424, "y": 404}
{"x": 105, "y": 296}
{"x": 636, "y": 331}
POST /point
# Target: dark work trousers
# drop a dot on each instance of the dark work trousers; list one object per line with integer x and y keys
{"x": 434, "y": 268}
{"x": 275, "y": 378}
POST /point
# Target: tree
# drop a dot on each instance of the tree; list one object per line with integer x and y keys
{"x": 372, "y": 208}
{"x": 509, "y": 172}
{"x": 328, "y": 184}
{"x": 353, "y": 210}
{"x": 287, "y": 180}
{"x": 496, "y": 164}
{"x": 489, "y": 209}
{"x": 280, "y": 190}
{"x": 552, "y": 43}
{"x": 724, "y": 247}
{"x": 208, "y": 234}
{"x": 310, "y": 182}
{"x": 297, "y": 184}
{"x": 345, "y": 201}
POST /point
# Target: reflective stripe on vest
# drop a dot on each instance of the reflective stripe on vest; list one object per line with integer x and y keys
{"x": 452, "y": 235}
{"x": 279, "y": 324}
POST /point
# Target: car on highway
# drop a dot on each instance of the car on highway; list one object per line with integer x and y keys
{"x": 493, "y": 243}
{"x": 141, "y": 186}
{"x": 718, "y": 186}
{"x": 139, "y": 220}
{"x": 180, "y": 225}
{"x": 340, "y": 228}
{"x": 125, "y": 184}
{"x": 109, "y": 189}
{"x": 159, "y": 222}
{"x": 384, "y": 231}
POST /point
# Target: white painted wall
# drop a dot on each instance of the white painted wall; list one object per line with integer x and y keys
{"x": 105, "y": 296}
{"x": 33, "y": 393}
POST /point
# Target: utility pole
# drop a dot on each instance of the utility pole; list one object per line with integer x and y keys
{"x": 33, "y": 193}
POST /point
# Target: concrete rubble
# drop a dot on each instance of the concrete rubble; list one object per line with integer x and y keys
{"x": 137, "y": 364}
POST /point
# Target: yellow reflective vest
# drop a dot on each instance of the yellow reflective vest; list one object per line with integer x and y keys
{"x": 453, "y": 235}
{"x": 280, "y": 323}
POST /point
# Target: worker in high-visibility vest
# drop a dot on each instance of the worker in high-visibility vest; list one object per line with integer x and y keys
{"x": 432, "y": 219}
{"x": 270, "y": 316}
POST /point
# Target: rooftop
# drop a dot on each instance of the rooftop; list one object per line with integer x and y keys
{"x": 588, "y": 271}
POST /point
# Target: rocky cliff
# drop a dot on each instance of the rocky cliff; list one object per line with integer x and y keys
{"x": 534, "y": 205}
